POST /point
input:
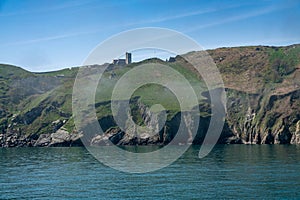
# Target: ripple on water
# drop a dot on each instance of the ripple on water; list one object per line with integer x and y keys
{"x": 229, "y": 171}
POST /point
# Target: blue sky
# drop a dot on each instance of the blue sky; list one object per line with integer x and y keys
{"x": 43, "y": 35}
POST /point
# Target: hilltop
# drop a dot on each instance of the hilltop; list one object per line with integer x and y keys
{"x": 262, "y": 87}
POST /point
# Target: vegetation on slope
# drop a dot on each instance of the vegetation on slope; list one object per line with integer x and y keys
{"x": 39, "y": 103}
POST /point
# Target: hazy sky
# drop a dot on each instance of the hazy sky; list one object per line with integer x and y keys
{"x": 41, "y": 35}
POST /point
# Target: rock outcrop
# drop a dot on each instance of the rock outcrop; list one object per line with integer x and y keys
{"x": 269, "y": 119}
{"x": 296, "y": 135}
{"x": 60, "y": 138}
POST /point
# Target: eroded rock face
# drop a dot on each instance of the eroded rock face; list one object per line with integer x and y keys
{"x": 111, "y": 136}
{"x": 296, "y": 136}
{"x": 268, "y": 138}
{"x": 43, "y": 141}
{"x": 14, "y": 138}
{"x": 282, "y": 136}
{"x": 251, "y": 119}
{"x": 59, "y": 138}
{"x": 264, "y": 119}
{"x": 155, "y": 131}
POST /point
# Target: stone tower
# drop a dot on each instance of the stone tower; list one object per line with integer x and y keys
{"x": 128, "y": 58}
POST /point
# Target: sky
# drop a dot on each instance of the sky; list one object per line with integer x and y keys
{"x": 46, "y": 35}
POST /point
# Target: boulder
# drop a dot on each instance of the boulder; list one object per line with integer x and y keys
{"x": 59, "y": 138}
{"x": 63, "y": 138}
{"x": 43, "y": 140}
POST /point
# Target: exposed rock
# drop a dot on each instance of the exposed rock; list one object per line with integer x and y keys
{"x": 59, "y": 138}
{"x": 43, "y": 140}
{"x": 296, "y": 136}
{"x": 233, "y": 140}
{"x": 64, "y": 138}
{"x": 283, "y": 136}
{"x": 113, "y": 135}
{"x": 58, "y": 124}
{"x": 268, "y": 138}
{"x": 268, "y": 118}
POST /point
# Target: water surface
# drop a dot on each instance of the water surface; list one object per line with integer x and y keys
{"x": 229, "y": 171}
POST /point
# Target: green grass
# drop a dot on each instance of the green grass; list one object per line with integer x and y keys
{"x": 282, "y": 63}
{"x": 151, "y": 94}
{"x": 10, "y": 72}
{"x": 69, "y": 72}
{"x": 69, "y": 126}
{"x": 33, "y": 102}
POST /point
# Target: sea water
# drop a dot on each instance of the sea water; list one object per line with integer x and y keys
{"x": 229, "y": 171}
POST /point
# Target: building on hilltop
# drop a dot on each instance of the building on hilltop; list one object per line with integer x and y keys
{"x": 128, "y": 58}
{"x": 172, "y": 59}
{"x": 122, "y": 62}
{"x": 119, "y": 62}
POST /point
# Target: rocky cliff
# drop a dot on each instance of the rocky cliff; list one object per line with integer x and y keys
{"x": 263, "y": 104}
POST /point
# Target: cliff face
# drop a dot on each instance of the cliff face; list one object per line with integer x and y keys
{"x": 155, "y": 131}
{"x": 263, "y": 104}
{"x": 35, "y": 107}
{"x": 264, "y": 119}
{"x": 250, "y": 119}
{"x": 262, "y": 93}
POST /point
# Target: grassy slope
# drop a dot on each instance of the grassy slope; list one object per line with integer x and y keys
{"x": 252, "y": 69}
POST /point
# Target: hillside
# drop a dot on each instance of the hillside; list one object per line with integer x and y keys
{"x": 262, "y": 87}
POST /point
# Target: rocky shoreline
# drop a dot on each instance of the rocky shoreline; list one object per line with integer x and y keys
{"x": 60, "y": 138}
{"x": 115, "y": 136}
{"x": 256, "y": 125}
